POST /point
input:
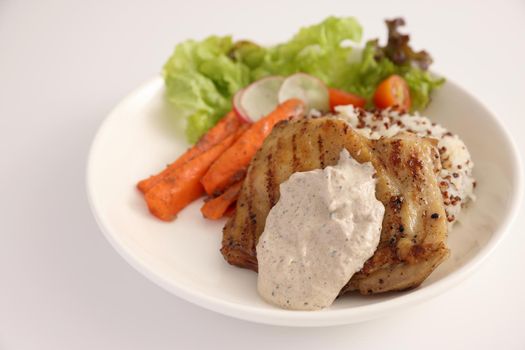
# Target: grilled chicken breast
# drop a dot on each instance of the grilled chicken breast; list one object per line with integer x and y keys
{"x": 414, "y": 227}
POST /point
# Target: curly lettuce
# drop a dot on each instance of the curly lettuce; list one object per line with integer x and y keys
{"x": 318, "y": 50}
{"x": 201, "y": 77}
{"x": 200, "y": 80}
{"x": 396, "y": 57}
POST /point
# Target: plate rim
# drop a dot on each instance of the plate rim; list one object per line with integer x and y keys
{"x": 306, "y": 318}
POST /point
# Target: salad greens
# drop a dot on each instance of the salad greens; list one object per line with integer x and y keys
{"x": 201, "y": 77}
{"x": 315, "y": 50}
{"x": 397, "y": 57}
{"x": 200, "y": 80}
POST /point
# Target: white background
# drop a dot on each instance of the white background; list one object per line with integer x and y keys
{"x": 64, "y": 64}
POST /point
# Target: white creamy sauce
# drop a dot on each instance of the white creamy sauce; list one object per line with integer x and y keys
{"x": 324, "y": 227}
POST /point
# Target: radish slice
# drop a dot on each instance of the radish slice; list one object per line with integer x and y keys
{"x": 307, "y": 88}
{"x": 241, "y": 113}
{"x": 258, "y": 99}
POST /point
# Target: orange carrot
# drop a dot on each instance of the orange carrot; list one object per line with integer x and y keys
{"x": 216, "y": 208}
{"x": 236, "y": 159}
{"x": 230, "y": 211}
{"x": 182, "y": 186}
{"x": 339, "y": 97}
{"x": 226, "y": 126}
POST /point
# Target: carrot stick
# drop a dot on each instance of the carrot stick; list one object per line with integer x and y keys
{"x": 230, "y": 211}
{"x": 339, "y": 97}
{"x": 226, "y": 126}
{"x": 216, "y": 208}
{"x": 236, "y": 159}
{"x": 182, "y": 186}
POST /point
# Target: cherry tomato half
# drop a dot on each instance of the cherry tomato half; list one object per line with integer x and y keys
{"x": 392, "y": 91}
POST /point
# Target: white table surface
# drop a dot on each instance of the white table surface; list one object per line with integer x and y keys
{"x": 64, "y": 64}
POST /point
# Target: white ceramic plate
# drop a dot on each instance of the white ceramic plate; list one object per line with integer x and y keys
{"x": 183, "y": 256}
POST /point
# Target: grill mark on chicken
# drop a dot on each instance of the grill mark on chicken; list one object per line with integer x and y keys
{"x": 412, "y": 242}
{"x": 251, "y": 217}
{"x": 395, "y": 157}
{"x": 321, "y": 150}
{"x": 415, "y": 165}
{"x": 345, "y": 129}
{"x": 270, "y": 186}
{"x": 295, "y": 160}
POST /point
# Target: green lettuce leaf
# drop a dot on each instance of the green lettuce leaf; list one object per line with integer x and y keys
{"x": 373, "y": 67}
{"x": 248, "y": 53}
{"x": 318, "y": 50}
{"x": 201, "y": 77}
{"x": 421, "y": 84}
{"x": 200, "y": 80}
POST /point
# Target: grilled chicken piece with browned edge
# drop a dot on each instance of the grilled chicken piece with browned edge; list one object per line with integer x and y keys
{"x": 414, "y": 227}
